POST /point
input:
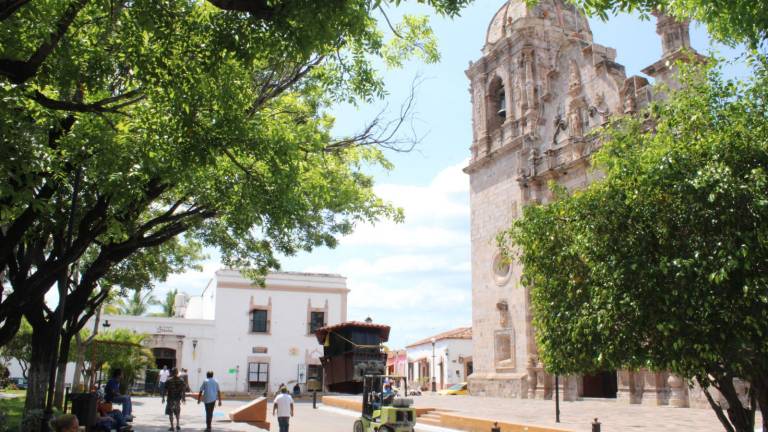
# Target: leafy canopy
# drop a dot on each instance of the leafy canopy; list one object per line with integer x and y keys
{"x": 132, "y": 134}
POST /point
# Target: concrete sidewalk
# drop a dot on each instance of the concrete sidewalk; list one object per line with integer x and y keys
{"x": 577, "y": 416}
{"x": 150, "y": 417}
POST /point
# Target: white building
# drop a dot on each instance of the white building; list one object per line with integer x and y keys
{"x": 253, "y": 338}
{"x": 450, "y": 353}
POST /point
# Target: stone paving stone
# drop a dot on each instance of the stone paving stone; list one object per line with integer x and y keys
{"x": 578, "y": 416}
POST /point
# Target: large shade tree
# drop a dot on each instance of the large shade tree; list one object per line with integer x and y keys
{"x": 663, "y": 264}
{"x": 135, "y": 132}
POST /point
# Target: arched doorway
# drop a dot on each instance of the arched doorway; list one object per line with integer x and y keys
{"x": 164, "y": 357}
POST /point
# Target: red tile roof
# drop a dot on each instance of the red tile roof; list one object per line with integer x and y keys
{"x": 459, "y": 333}
{"x": 323, "y": 331}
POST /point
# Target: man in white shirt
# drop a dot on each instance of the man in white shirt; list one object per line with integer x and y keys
{"x": 283, "y": 407}
{"x": 164, "y": 374}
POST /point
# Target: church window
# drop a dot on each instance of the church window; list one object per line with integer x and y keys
{"x": 496, "y": 103}
{"x": 502, "y": 101}
{"x": 501, "y": 270}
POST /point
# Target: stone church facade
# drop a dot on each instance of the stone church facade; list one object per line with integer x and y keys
{"x": 541, "y": 85}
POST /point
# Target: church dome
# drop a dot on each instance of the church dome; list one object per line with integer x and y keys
{"x": 558, "y": 12}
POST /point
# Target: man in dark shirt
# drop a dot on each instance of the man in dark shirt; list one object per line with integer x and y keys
{"x": 112, "y": 394}
{"x": 174, "y": 396}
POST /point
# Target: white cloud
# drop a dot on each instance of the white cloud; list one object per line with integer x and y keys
{"x": 432, "y": 215}
{"x": 407, "y": 235}
{"x": 413, "y": 276}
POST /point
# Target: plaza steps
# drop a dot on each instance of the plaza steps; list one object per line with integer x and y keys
{"x": 434, "y": 418}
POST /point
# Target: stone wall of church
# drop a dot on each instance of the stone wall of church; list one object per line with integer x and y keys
{"x": 499, "y": 313}
{"x": 539, "y": 88}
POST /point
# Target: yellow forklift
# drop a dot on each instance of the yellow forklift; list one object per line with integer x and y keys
{"x": 383, "y": 410}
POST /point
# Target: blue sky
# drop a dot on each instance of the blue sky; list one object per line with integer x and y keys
{"x": 415, "y": 276}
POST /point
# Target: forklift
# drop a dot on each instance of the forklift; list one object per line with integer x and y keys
{"x": 384, "y": 411}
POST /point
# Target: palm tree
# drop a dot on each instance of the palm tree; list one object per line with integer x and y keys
{"x": 137, "y": 304}
{"x": 169, "y": 304}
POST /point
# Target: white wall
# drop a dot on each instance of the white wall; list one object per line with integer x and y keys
{"x": 288, "y": 344}
{"x": 179, "y": 334}
{"x": 226, "y": 342}
{"x": 447, "y": 353}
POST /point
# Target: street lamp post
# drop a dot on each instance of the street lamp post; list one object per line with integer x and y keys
{"x": 434, "y": 383}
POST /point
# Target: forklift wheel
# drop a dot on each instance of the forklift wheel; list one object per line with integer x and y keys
{"x": 358, "y": 427}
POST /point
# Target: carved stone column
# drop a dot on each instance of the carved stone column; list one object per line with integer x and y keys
{"x": 678, "y": 396}
{"x": 532, "y": 378}
{"x": 654, "y": 392}
{"x": 570, "y": 388}
{"x": 627, "y": 388}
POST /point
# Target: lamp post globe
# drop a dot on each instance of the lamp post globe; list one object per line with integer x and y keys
{"x": 434, "y": 382}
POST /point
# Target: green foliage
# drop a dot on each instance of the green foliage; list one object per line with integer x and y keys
{"x": 731, "y": 21}
{"x": 662, "y": 264}
{"x": 11, "y": 412}
{"x": 120, "y": 349}
{"x": 136, "y": 304}
{"x": 133, "y": 134}
{"x": 169, "y": 304}
{"x": 19, "y": 348}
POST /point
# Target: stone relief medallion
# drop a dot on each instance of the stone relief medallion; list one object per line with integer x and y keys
{"x": 501, "y": 270}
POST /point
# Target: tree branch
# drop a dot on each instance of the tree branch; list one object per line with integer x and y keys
{"x": 19, "y": 71}
{"x": 384, "y": 134}
{"x": 101, "y": 106}
{"x": 259, "y": 9}
{"x": 8, "y": 7}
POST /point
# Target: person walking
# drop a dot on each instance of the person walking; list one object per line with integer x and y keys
{"x": 175, "y": 395}
{"x": 184, "y": 375}
{"x": 112, "y": 394}
{"x": 283, "y": 407}
{"x": 209, "y": 392}
{"x": 163, "y": 377}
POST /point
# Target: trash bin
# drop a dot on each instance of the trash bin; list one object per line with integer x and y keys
{"x": 84, "y": 407}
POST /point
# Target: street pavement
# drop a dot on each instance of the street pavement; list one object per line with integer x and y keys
{"x": 150, "y": 417}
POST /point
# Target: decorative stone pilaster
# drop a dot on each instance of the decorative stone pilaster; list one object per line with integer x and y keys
{"x": 655, "y": 389}
{"x": 570, "y": 388}
{"x": 532, "y": 378}
{"x": 678, "y": 392}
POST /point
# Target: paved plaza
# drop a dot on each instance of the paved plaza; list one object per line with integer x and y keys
{"x": 578, "y": 416}
{"x": 150, "y": 417}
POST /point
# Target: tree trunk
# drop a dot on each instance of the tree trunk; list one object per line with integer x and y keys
{"x": 742, "y": 418}
{"x": 761, "y": 395}
{"x": 39, "y": 373}
{"x": 79, "y": 360}
{"x": 61, "y": 371}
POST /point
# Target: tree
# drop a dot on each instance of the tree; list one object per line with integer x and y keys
{"x": 19, "y": 349}
{"x": 169, "y": 304}
{"x": 137, "y": 304}
{"x": 119, "y": 349}
{"x": 732, "y": 22}
{"x": 134, "y": 133}
{"x": 663, "y": 264}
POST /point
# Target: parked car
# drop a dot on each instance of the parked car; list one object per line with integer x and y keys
{"x": 456, "y": 389}
{"x": 20, "y": 383}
